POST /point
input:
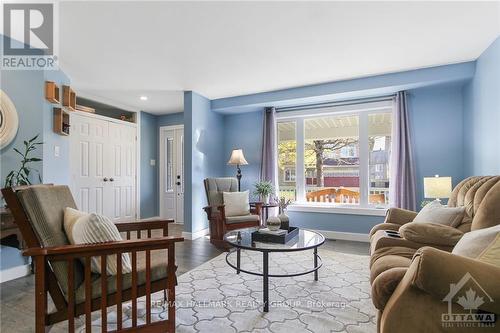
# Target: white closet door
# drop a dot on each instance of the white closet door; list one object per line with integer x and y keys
{"x": 89, "y": 137}
{"x": 103, "y": 166}
{"x": 122, "y": 172}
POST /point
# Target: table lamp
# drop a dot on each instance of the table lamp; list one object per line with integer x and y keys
{"x": 237, "y": 158}
{"x": 437, "y": 187}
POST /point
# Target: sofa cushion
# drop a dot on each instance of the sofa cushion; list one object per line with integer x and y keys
{"x": 94, "y": 229}
{"x": 434, "y": 212}
{"x": 474, "y": 242}
{"x": 243, "y": 218}
{"x": 431, "y": 233}
{"x": 384, "y": 285}
{"x": 236, "y": 203}
{"x": 491, "y": 254}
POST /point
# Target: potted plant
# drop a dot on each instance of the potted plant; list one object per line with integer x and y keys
{"x": 23, "y": 174}
{"x": 264, "y": 189}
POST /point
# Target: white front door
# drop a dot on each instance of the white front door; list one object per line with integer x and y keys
{"x": 172, "y": 173}
{"x": 103, "y": 166}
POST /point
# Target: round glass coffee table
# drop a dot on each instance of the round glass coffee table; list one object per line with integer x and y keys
{"x": 241, "y": 239}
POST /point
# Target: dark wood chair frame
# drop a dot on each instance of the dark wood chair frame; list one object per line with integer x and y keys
{"x": 46, "y": 282}
{"x": 218, "y": 225}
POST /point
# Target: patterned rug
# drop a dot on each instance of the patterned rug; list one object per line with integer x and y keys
{"x": 213, "y": 298}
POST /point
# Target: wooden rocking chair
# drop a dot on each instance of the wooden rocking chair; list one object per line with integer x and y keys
{"x": 74, "y": 289}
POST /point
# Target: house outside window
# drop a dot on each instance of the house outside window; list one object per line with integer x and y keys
{"x": 336, "y": 156}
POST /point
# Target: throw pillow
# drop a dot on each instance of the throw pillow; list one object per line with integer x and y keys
{"x": 474, "y": 242}
{"x": 70, "y": 217}
{"x": 434, "y": 212}
{"x": 92, "y": 229}
{"x": 236, "y": 203}
{"x": 491, "y": 254}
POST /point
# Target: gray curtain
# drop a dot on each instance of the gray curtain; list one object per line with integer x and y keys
{"x": 268, "y": 170}
{"x": 402, "y": 186}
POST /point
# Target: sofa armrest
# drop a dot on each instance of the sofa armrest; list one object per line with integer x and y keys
{"x": 437, "y": 270}
{"x": 431, "y": 233}
{"x": 399, "y": 216}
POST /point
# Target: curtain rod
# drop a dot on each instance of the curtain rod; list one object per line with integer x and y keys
{"x": 339, "y": 103}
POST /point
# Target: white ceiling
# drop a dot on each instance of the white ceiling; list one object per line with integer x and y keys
{"x": 120, "y": 50}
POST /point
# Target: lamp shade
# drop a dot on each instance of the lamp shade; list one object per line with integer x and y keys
{"x": 437, "y": 187}
{"x": 237, "y": 158}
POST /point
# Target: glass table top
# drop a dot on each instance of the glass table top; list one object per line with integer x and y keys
{"x": 306, "y": 239}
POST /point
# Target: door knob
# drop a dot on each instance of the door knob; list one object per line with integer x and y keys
{"x": 178, "y": 183}
{"x": 105, "y": 179}
{"x": 111, "y": 179}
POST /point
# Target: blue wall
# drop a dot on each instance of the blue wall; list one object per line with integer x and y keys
{"x": 171, "y": 119}
{"x": 244, "y": 131}
{"x": 204, "y": 156}
{"x": 55, "y": 169}
{"x": 149, "y": 173}
{"x": 25, "y": 89}
{"x": 482, "y": 115}
{"x": 149, "y": 132}
{"x": 437, "y": 127}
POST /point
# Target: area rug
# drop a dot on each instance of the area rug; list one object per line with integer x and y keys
{"x": 213, "y": 298}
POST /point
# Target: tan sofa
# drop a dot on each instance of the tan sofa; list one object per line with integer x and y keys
{"x": 396, "y": 263}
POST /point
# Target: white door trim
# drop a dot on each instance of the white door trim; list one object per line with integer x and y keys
{"x": 161, "y": 159}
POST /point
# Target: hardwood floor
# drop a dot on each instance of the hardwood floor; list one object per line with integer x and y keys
{"x": 17, "y": 306}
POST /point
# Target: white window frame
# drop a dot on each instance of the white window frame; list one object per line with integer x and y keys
{"x": 362, "y": 110}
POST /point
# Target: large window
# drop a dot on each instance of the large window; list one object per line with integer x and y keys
{"x": 338, "y": 155}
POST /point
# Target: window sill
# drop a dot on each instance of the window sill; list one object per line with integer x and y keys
{"x": 339, "y": 209}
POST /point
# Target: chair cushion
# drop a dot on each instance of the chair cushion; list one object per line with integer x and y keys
{"x": 434, "y": 212}
{"x": 240, "y": 219}
{"x": 384, "y": 285}
{"x": 215, "y": 186}
{"x": 474, "y": 242}
{"x": 93, "y": 229}
{"x": 44, "y": 206}
{"x": 491, "y": 254}
{"x": 236, "y": 203}
{"x": 158, "y": 272}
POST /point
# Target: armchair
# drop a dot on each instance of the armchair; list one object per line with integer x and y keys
{"x": 63, "y": 270}
{"x": 219, "y": 223}
{"x": 424, "y": 293}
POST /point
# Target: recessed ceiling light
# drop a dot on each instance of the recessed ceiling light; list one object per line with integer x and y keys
{"x": 144, "y": 98}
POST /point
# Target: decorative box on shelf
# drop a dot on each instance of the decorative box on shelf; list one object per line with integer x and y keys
{"x": 270, "y": 237}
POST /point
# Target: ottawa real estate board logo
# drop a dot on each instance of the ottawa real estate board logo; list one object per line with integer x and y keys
{"x": 28, "y": 36}
{"x": 469, "y": 295}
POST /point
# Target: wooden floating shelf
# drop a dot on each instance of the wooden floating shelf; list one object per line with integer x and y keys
{"x": 61, "y": 122}
{"x": 69, "y": 98}
{"x": 52, "y": 92}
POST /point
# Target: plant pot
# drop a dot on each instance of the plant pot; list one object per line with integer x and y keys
{"x": 265, "y": 199}
{"x": 285, "y": 221}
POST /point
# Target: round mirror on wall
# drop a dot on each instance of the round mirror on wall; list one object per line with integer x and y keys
{"x": 9, "y": 121}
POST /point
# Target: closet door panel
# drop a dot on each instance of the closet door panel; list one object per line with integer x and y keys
{"x": 88, "y": 141}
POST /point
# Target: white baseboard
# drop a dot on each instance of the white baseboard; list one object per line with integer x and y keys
{"x": 195, "y": 235}
{"x": 14, "y": 273}
{"x": 350, "y": 236}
